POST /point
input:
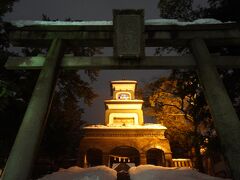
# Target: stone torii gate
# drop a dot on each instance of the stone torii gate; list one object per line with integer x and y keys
{"x": 129, "y": 34}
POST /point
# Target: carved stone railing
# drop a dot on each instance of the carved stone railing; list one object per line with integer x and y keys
{"x": 183, "y": 163}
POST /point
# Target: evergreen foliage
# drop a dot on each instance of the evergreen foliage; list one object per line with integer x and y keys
{"x": 187, "y": 81}
{"x": 64, "y": 128}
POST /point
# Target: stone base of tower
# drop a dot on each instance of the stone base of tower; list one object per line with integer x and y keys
{"x": 137, "y": 145}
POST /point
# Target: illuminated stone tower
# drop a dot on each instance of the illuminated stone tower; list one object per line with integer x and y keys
{"x": 123, "y": 109}
{"x": 124, "y": 138}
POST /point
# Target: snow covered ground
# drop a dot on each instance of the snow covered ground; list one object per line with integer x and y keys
{"x": 77, "y": 173}
{"x": 142, "y": 172}
{"x": 150, "y": 172}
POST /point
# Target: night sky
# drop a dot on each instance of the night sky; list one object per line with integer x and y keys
{"x": 92, "y": 10}
{"x": 79, "y": 9}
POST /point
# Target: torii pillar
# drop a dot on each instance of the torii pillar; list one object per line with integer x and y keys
{"x": 225, "y": 117}
{"x": 22, "y": 155}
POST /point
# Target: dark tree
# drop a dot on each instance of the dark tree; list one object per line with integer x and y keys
{"x": 176, "y": 9}
{"x": 14, "y": 90}
{"x": 63, "y": 130}
{"x": 224, "y": 10}
{"x": 179, "y": 104}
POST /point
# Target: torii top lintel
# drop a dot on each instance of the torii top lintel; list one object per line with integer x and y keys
{"x": 150, "y": 33}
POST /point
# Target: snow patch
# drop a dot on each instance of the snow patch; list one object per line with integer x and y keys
{"x": 22, "y": 23}
{"x": 142, "y": 172}
{"x": 151, "y": 172}
{"x": 77, "y": 173}
{"x": 180, "y": 23}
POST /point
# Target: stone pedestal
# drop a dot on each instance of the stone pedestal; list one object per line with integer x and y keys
{"x": 106, "y": 159}
{"x": 143, "y": 158}
{"x": 168, "y": 159}
{"x": 82, "y": 160}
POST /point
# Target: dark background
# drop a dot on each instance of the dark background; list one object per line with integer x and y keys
{"x": 94, "y": 10}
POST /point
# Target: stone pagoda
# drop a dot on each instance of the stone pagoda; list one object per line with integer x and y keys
{"x": 124, "y": 138}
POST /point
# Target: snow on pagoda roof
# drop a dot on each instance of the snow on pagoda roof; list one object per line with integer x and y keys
{"x": 22, "y": 23}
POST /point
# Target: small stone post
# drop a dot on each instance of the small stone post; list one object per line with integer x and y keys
{"x": 143, "y": 158}
{"x": 105, "y": 159}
